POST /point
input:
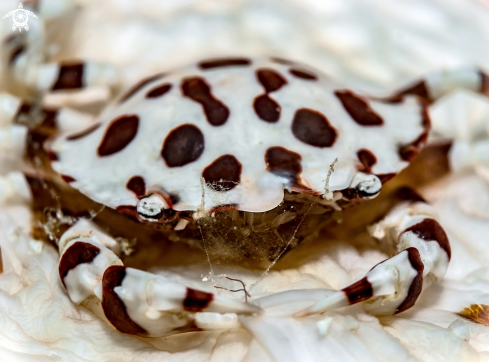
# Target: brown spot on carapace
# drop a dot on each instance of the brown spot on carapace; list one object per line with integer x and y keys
{"x": 409, "y": 151}
{"x": 359, "y": 109}
{"x": 114, "y": 308}
{"x": 479, "y": 313}
{"x": 270, "y": 79}
{"x": 431, "y": 230}
{"x": 52, "y": 156}
{"x": 418, "y": 89}
{"x": 385, "y": 177}
{"x": 408, "y": 194}
{"x": 119, "y": 134}
{"x": 303, "y": 74}
{"x": 367, "y": 158}
{"x": 417, "y": 284}
{"x": 359, "y": 291}
{"x": 158, "y": 91}
{"x": 136, "y": 184}
{"x": 67, "y": 178}
{"x": 484, "y": 83}
{"x": 199, "y": 91}
{"x": 266, "y": 108}
{"x": 281, "y": 61}
{"x": 138, "y": 86}
{"x": 313, "y": 128}
{"x": 284, "y": 163}
{"x": 223, "y": 174}
{"x": 183, "y": 145}
{"x": 128, "y": 210}
{"x": 78, "y": 253}
{"x": 196, "y": 300}
{"x": 174, "y": 198}
{"x": 70, "y": 76}
{"x": 86, "y": 132}
{"x": 223, "y": 62}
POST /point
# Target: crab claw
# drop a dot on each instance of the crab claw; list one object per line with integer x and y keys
{"x": 393, "y": 279}
{"x": 134, "y": 301}
{"x": 137, "y": 302}
{"x": 395, "y": 284}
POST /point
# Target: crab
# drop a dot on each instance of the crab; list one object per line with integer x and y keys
{"x": 226, "y": 136}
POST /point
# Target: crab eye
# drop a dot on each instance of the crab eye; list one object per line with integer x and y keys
{"x": 152, "y": 207}
{"x": 366, "y": 186}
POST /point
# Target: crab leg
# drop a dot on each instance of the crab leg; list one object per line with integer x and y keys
{"x": 14, "y": 112}
{"x": 26, "y": 61}
{"x": 437, "y": 84}
{"x": 68, "y": 75}
{"x": 463, "y": 153}
{"x": 395, "y": 284}
{"x": 134, "y": 301}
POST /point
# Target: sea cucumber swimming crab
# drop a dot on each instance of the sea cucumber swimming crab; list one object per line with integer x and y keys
{"x": 235, "y": 139}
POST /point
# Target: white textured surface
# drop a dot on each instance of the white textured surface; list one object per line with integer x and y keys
{"x": 372, "y": 44}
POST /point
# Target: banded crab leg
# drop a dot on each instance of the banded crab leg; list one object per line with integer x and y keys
{"x": 437, "y": 84}
{"x": 17, "y": 112}
{"x": 24, "y": 128}
{"x": 395, "y": 284}
{"x": 134, "y": 301}
{"x": 26, "y": 58}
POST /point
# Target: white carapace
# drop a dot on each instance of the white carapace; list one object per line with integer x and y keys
{"x": 249, "y": 128}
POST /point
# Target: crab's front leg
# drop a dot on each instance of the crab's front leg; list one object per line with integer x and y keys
{"x": 26, "y": 58}
{"x": 395, "y": 284}
{"x": 437, "y": 84}
{"x": 134, "y": 301}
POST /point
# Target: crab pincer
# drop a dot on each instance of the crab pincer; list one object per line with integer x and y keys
{"x": 135, "y": 301}
{"x": 395, "y": 284}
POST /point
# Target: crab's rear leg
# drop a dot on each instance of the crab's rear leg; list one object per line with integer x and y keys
{"x": 395, "y": 284}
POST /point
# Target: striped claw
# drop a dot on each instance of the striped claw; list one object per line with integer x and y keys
{"x": 395, "y": 284}
{"x": 134, "y": 301}
{"x": 137, "y": 302}
{"x": 398, "y": 280}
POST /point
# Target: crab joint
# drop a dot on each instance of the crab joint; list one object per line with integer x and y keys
{"x": 152, "y": 207}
